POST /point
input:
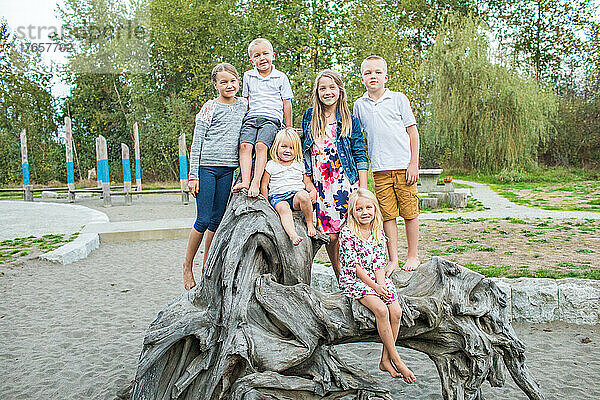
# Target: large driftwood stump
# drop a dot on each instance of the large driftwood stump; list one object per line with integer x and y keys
{"x": 254, "y": 329}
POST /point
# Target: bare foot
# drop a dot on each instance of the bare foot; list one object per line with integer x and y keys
{"x": 391, "y": 267}
{"x": 296, "y": 240}
{"x": 407, "y": 374}
{"x": 188, "y": 278}
{"x": 386, "y": 366}
{"x": 411, "y": 264}
{"x": 239, "y": 186}
{"x": 254, "y": 189}
{"x": 311, "y": 230}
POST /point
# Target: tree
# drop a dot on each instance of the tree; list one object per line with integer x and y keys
{"x": 542, "y": 33}
{"x": 577, "y": 141}
{"x": 482, "y": 115}
{"x": 96, "y": 106}
{"x": 27, "y": 103}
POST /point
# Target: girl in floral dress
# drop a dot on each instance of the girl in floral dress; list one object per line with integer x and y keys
{"x": 334, "y": 156}
{"x": 363, "y": 262}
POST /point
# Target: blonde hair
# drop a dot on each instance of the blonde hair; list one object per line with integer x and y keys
{"x": 370, "y": 58}
{"x": 259, "y": 41}
{"x": 318, "y": 123}
{"x": 292, "y": 136}
{"x": 223, "y": 67}
{"x": 377, "y": 223}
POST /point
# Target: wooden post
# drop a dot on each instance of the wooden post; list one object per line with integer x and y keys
{"x": 69, "y": 155}
{"x": 183, "y": 171}
{"x": 27, "y": 186}
{"x": 98, "y": 167}
{"x": 126, "y": 173}
{"x": 138, "y": 164}
{"x": 104, "y": 175}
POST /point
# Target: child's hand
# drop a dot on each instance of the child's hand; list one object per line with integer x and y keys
{"x": 313, "y": 196}
{"x": 383, "y": 291}
{"x": 412, "y": 174}
{"x": 193, "y": 187}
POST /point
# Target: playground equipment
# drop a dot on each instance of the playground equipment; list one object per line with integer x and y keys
{"x": 104, "y": 188}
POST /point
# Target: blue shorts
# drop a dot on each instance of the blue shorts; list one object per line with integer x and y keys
{"x": 287, "y": 196}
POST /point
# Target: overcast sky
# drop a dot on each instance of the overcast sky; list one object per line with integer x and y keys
{"x": 39, "y": 14}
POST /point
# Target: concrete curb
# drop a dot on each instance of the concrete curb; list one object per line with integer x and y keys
{"x": 125, "y": 231}
{"x": 535, "y": 300}
{"x": 130, "y": 231}
{"x": 73, "y": 251}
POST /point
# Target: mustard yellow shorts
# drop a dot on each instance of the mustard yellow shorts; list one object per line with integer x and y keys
{"x": 396, "y": 198}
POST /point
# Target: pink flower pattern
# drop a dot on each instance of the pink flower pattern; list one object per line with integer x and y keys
{"x": 332, "y": 184}
{"x": 370, "y": 256}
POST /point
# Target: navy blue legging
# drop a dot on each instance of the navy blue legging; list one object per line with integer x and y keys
{"x": 211, "y": 199}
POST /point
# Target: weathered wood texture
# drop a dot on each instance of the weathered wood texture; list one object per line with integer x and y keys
{"x": 138, "y": 163}
{"x": 69, "y": 158}
{"x": 183, "y": 170}
{"x": 104, "y": 173}
{"x": 254, "y": 328}
{"x": 27, "y": 186}
{"x": 126, "y": 173}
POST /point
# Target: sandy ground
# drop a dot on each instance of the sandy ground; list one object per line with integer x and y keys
{"x": 76, "y": 331}
{"x": 150, "y": 206}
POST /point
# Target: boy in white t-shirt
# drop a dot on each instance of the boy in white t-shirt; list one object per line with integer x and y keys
{"x": 393, "y": 141}
{"x": 286, "y": 185}
{"x": 269, "y": 95}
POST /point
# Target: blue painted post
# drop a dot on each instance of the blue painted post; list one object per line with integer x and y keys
{"x": 103, "y": 173}
{"x": 69, "y": 155}
{"x": 183, "y": 171}
{"x": 138, "y": 164}
{"x": 27, "y": 186}
{"x": 126, "y": 173}
{"x": 98, "y": 167}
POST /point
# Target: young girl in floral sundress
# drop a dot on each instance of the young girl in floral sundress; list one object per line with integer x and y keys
{"x": 334, "y": 156}
{"x": 363, "y": 262}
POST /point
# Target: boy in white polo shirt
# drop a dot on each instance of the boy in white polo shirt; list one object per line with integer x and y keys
{"x": 393, "y": 141}
{"x": 269, "y": 97}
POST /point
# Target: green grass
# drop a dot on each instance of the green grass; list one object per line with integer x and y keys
{"x": 541, "y": 175}
{"x": 12, "y": 249}
{"x": 566, "y": 179}
{"x": 462, "y": 186}
{"x": 444, "y": 207}
{"x": 584, "y": 251}
{"x": 492, "y": 271}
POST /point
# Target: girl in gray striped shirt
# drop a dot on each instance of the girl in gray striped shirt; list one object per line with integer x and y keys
{"x": 213, "y": 158}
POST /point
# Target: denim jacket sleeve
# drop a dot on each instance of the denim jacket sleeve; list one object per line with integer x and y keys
{"x": 307, "y": 141}
{"x": 357, "y": 144}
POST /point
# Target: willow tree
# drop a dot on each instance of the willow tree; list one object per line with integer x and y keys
{"x": 481, "y": 114}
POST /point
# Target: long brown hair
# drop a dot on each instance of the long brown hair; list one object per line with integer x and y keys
{"x": 319, "y": 121}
